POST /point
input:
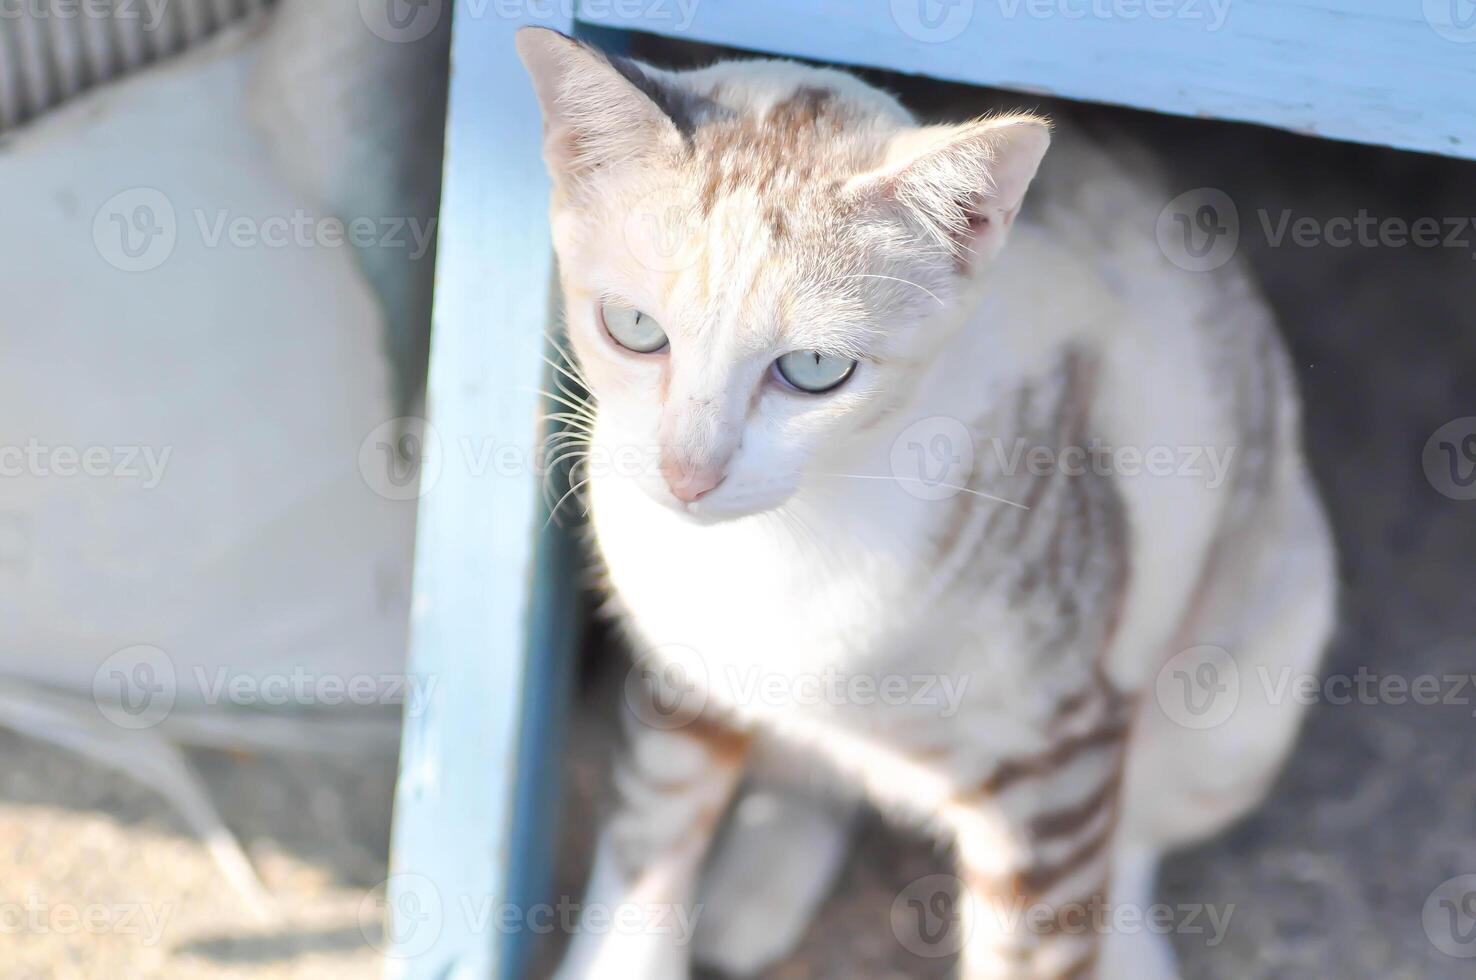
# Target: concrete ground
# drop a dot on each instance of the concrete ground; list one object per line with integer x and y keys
{"x": 1376, "y": 810}
{"x": 101, "y": 880}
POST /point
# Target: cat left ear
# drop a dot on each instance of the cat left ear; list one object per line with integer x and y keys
{"x": 962, "y": 184}
{"x": 598, "y": 110}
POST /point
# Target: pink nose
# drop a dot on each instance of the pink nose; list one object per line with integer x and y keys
{"x": 689, "y": 483}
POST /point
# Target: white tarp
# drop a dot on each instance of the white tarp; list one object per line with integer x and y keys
{"x": 186, "y": 383}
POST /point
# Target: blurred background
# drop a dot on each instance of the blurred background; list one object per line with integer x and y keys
{"x": 218, "y": 249}
{"x": 218, "y": 245}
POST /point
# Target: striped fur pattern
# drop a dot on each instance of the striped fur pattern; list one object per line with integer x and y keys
{"x": 886, "y": 579}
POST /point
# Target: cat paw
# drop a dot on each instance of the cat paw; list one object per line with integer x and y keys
{"x": 773, "y": 867}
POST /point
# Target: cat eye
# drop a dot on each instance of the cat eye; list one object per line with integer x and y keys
{"x": 813, "y": 372}
{"x": 632, "y": 329}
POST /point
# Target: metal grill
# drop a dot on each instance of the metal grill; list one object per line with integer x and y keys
{"x": 50, "y": 50}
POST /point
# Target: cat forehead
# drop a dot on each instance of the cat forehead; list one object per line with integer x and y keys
{"x": 772, "y": 129}
{"x": 746, "y": 232}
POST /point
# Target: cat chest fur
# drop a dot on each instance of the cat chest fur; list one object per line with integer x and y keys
{"x": 887, "y": 619}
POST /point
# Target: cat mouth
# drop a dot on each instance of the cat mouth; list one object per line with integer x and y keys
{"x": 708, "y": 511}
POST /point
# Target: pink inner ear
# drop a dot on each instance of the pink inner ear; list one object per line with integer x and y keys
{"x": 979, "y": 219}
{"x": 977, "y": 222}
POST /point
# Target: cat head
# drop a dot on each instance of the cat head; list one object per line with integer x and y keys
{"x": 759, "y": 258}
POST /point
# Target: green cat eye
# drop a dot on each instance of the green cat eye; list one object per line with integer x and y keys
{"x": 813, "y": 372}
{"x": 632, "y": 329}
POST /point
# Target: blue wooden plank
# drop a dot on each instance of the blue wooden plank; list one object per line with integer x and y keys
{"x": 453, "y": 867}
{"x": 555, "y": 630}
{"x": 1373, "y": 71}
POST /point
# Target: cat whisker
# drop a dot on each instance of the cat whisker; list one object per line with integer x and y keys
{"x": 569, "y": 432}
{"x": 582, "y": 408}
{"x": 578, "y": 454}
{"x": 563, "y": 378}
{"x": 567, "y": 391}
{"x": 564, "y": 370}
{"x": 567, "y": 494}
{"x": 570, "y": 363}
{"x": 551, "y": 488}
{"x": 575, "y": 423}
{"x": 909, "y": 282}
{"x": 930, "y": 483}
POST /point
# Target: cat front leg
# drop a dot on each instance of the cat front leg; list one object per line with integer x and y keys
{"x": 639, "y": 913}
{"x": 1034, "y": 844}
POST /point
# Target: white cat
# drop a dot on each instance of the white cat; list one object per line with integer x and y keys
{"x": 873, "y": 485}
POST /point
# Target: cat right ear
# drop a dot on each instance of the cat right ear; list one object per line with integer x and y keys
{"x": 962, "y": 185}
{"x": 598, "y": 111}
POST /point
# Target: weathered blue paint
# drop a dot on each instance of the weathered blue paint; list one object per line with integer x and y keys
{"x": 555, "y": 628}
{"x": 480, "y": 630}
{"x": 1396, "y": 72}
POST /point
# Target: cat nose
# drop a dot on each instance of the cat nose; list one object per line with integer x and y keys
{"x": 687, "y": 483}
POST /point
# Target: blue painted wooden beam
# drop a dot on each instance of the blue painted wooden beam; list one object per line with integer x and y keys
{"x": 1396, "y": 72}
{"x": 481, "y": 632}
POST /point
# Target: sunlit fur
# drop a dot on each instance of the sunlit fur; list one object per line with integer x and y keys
{"x": 755, "y": 208}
